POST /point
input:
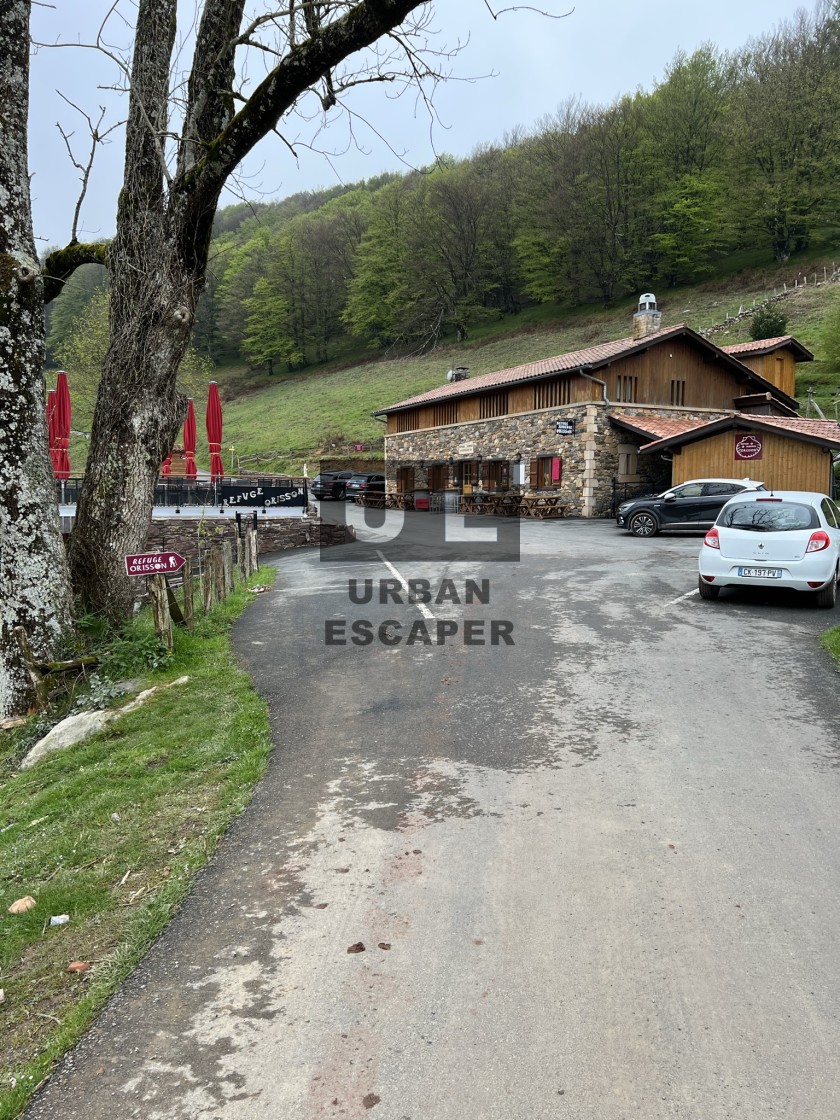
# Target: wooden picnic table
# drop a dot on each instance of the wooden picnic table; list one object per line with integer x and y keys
{"x": 494, "y": 504}
{"x": 506, "y": 504}
{"x": 374, "y": 501}
{"x": 399, "y": 501}
{"x": 542, "y": 506}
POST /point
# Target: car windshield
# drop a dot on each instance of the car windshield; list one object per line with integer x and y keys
{"x": 769, "y": 516}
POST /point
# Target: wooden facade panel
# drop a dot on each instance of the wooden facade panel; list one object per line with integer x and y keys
{"x": 786, "y": 464}
{"x": 778, "y": 368}
{"x": 468, "y": 408}
{"x": 708, "y": 384}
{"x": 521, "y": 398}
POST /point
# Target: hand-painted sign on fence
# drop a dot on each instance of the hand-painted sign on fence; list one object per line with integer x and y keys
{"x": 264, "y": 496}
{"x": 154, "y": 564}
{"x": 749, "y": 447}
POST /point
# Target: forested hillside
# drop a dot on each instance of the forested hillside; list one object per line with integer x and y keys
{"x": 730, "y": 160}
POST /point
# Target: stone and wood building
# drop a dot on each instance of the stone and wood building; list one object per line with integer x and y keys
{"x": 642, "y": 412}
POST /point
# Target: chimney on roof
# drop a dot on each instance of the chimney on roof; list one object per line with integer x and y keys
{"x": 647, "y": 319}
{"x": 459, "y": 373}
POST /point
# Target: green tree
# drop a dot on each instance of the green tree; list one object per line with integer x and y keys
{"x": 77, "y": 293}
{"x": 783, "y": 151}
{"x": 768, "y": 322}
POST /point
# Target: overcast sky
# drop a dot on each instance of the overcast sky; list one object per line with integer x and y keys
{"x": 603, "y": 49}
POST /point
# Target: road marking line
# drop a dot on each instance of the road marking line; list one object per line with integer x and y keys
{"x": 688, "y": 595}
{"x": 422, "y": 608}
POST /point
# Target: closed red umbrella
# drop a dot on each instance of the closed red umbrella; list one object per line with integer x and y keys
{"x": 189, "y": 440}
{"x": 51, "y": 426}
{"x": 61, "y": 416}
{"x": 214, "y": 433}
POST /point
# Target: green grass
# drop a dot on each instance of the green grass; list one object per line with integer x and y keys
{"x": 113, "y": 832}
{"x": 831, "y": 641}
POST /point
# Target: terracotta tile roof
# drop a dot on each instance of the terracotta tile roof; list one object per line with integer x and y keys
{"x": 593, "y": 355}
{"x": 659, "y": 427}
{"x": 826, "y": 432}
{"x": 768, "y": 345}
{"x": 824, "y": 429}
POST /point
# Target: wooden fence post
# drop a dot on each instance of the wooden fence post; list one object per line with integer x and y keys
{"x": 240, "y": 556}
{"x": 188, "y": 595}
{"x": 207, "y": 583}
{"x": 227, "y": 567}
{"x": 218, "y": 574}
{"x": 253, "y": 550}
{"x": 160, "y": 610}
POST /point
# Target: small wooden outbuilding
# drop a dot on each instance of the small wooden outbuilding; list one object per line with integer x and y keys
{"x": 783, "y": 452}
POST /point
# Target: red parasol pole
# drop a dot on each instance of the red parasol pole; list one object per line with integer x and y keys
{"x": 189, "y": 440}
{"x": 214, "y": 433}
{"x": 51, "y": 426}
{"x": 62, "y": 426}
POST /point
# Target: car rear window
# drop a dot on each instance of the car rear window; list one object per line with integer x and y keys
{"x": 769, "y": 517}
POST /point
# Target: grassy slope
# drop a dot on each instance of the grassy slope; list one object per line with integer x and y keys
{"x": 262, "y": 415}
{"x": 112, "y": 832}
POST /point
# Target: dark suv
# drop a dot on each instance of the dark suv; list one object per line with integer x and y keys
{"x": 691, "y": 505}
{"x": 331, "y": 484}
{"x": 365, "y": 484}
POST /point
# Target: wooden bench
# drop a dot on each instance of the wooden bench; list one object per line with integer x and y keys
{"x": 541, "y": 506}
{"x": 373, "y": 501}
{"x": 399, "y": 501}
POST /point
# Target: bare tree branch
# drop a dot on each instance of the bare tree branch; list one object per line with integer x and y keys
{"x": 98, "y": 136}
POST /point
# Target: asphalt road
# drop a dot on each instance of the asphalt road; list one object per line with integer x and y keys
{"x": 595, "y": 873}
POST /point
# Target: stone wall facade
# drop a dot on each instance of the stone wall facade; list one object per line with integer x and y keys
{"x": 189, "y": 536}
{"x": 590, "y": 457}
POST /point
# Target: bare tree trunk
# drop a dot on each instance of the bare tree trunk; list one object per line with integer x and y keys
{"x": 33, "y": 566}
{"x": 158, "y": 259}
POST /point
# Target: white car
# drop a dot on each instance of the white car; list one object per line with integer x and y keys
{"x": 786, "y": 538}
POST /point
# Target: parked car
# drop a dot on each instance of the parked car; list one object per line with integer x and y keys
{"x": 691, "y": 505}
{"x": 787, "y": 539}
{"x": 331, "y": 484}
{"x": 365, "y": 484}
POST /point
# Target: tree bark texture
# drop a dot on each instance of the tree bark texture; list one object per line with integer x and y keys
{"x": 158, "y": 258}
{"x": 33, "y": 566}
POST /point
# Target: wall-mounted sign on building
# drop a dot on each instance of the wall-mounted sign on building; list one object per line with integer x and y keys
{"x": 565, "y": 427}
{"x": 749, "y": 447}
{"x": 465, "y": 449}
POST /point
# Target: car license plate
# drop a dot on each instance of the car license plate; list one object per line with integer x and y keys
{"x": 761, "y": 573}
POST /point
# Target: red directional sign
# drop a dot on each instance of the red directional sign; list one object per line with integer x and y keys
{"x": 154, "y": 564}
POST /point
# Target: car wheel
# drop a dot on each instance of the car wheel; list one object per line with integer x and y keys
{"x": 827, "y": 596}
{"x": 341, "y": 494}
{"x": 643, "y": 525}
{"x": 707, "y": 591}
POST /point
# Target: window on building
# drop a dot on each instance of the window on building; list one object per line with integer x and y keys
{"x": 628, "y": 464}
{"x": 493, "y": 404}
{"x": 553, "y": 394}
{"x": 444, "y": 414}
{"x": 468, "y": 473}
{"x": 678, "y": 393}
{"x": 546, "y": 472}
{"x": 498, "y": 475}
{"x": 405, "y": 480}
{"x": 438, "y": 475}
{"x": 626, "y": 388}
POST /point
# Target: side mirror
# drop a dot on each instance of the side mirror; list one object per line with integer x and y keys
{"x": 670, "y": 497}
